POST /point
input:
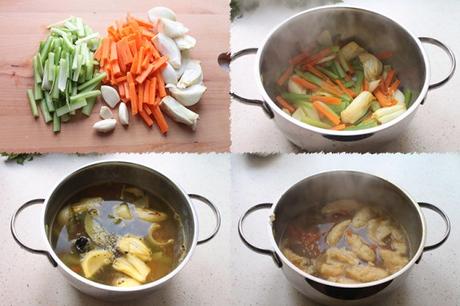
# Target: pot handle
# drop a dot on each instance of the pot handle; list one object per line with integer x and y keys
{"x": 450, "y": 54}
{"x": 216, "y": 214}
{"x": 245, "y": 240}
{"x": 224, "y": 59}
{"x": 16, "y": 237}
{"x": 446, "y": 220}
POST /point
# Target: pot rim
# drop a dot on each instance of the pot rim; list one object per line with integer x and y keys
{"x": 421, "y": 96}
{"x": 140, "y": 288}
{"x": 409, "y": 265}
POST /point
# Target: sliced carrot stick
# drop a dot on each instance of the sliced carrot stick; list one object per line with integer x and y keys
{"x": 299, "y": 58}
{"x": 113, "y": 52}
{"x": 139, "y": 60}
{"x": 140, "y": 96}
{"x": 161, "y": 86}
{"x": 394, "y": 86}
{"x": 365, "y": 85}
{"x": 328, "y": 100}
{"x": 146, "y": 118}
{"x": 384, "y": 55}
{"x": 141, "y": 78}
{"x": 348, "y": 91}
{"x": 158, "y": 63}
{"x": 330, "y": 115}
{"x": 146, "y": 91}
{"x": 320, "y": 55}
{"x": 147, "y": 110}
{"x": 126, "y": 86}
{"x": 132, "y": 94}
{"x": 382, "y": 99}
{"x": 159, "y": 118}
{"x": 285, "y": 76}
{"x": 120, "y": 79}
{"x": 121, "y": 90}
{"x": 389, "y": 77}
{"x": 285, "y": 104}
{"x": 132, "y": 70}
{"x": 316, "y": 72}
{"x": 153, "y": 90}
{"x": 304, "y": 83}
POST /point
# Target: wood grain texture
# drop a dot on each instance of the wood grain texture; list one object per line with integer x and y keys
{"x": 23, "y": 25}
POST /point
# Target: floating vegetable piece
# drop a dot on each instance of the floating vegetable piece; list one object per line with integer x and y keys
{"x": 124, "y": 281}
{"x": 132, "y": 266}
{"x": 134, "y": 246}
{"x": 86, "y": 204}
{"x": 373, "y": 85}
{"x": 150, "y": 215}
{"x": 399, "y": 96}
{"x": 133, "y": 191}
{"x": 372, "y": 66}
{"x": 386, "y": 114}
{"x": 161, "y": 12}
{"x": 187, "y": 96}
{"x": 185, "y": 42}
{"x": 123, "y": 114}
{"x": 97, "y": 233}
{"x": 151, "y": 239}
{"x": 110, "y": 95}
{"x": 64, "y": 216}
{"x": 351, "y": 50}
{"x": 193, "y": 74}
{"x": 105, "y": 126}
{"x": 169, "y": 74}
{"x": 122, "y": 211}
{"x": 168, "y": 47}
{"x": 178, "y": 112}
{"x": 357, "y": 108}
{"x": 173, "y": 29}
{"x": 105, "y": 113}
{"x": 94, "y": 260}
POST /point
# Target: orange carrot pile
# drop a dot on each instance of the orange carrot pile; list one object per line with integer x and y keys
{"x": 133, "y": 66}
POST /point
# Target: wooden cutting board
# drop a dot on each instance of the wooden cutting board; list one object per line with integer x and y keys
{"x": 23, "y": 25}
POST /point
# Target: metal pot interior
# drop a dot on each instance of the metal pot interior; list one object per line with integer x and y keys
{"x": 312, "y": 193}
{"x": 125, "y": 173}
{"x": 374, "y": 32}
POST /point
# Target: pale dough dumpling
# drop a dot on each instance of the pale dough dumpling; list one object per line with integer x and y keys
{"x": 392, "y": 260}
{"x": 366, "y": 273}
{"x": 340, "y": 206}
{"x": 362, "y": 217}
{"x": 336, "y": 233}
{"x": 331, "y": 269}
{"x": 379, "y": 229}
{"x": 342, "y": 255}
{"x": 359, "y": 247}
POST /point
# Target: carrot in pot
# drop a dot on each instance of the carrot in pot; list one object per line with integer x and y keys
{"x": 394, "y": 86}
{"x": 285, "y": 76}
{"x": 329, "y": 114}
{"x": 285, "y": 104}
{"x": 316, "y": 72}
{"x": 389, "y": 77}
{"x": 304, "y": 83}
{"x": 339, "y": 127}
{"x": 384, "y": 55}
{"x": 365, "y": 85}
{"x": 299, "y": 58}
{"x": 328, "y": 100}
{"x": 348, "y": 91}
{"x": 382, "y": 99}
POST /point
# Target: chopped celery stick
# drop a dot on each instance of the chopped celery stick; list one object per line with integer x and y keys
{"x": 38, "y": 94}
{"x": 339, "y": 107}
{"x": 327, "y": 72}
{"x": 375, "y": 106}
{"x": 40, "y": 64}
{"x": 87, "y": 38}
{"x": 96, "y": 79}
{"x": 54, "y": 88}
{"x": 69, "y": 25}
{"x": 49, "y": 102}
{"x": 316, "y": 123}
{"x": 312, "y": 78}
{"x": 76, "y": 72}
{"x": 359, "y": 81}
{"x": 88, "y": 109}
{"x": 32, "y": 103}
{"x": 67, "y": 108}
{"x": 407, "y": 97}
{"x": 57, "y": 56}
{"x": 89, "y": 68}
{"x": 51, "y": 66}
{"x": 346, "y": 98}
{"x": 343, "y": 62}
{"x": 89, "y": 88}
{"x": 67, "y": 44}
{"x": 65, "y": 118}
{"x": 80, "y": 27}
{"x": 56, "y": 123}
{"x": 46, "y": 114}
{"x": 37, "y": 76}
{"x": 62, "y": 80}
{"x": 46, "y": 47}
{"x": 75, "y": 58}
{"x": 366, "y": 124}
{"x": 45, "y": 81}
{"x": 292, "y": 97}
{"x": 349, "y": 84}
{"x": 85, "y": 95}
{"x": 339, "y": 69}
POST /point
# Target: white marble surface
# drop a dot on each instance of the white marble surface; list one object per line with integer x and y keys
{"x": 435, "y": 127}
{"x": 28, "y": 279}
{"x": 427, "y": 177}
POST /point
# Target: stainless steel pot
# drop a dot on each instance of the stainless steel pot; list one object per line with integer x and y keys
{"x": 125, "y": 173}
{"x": 315, "y": 191}
{"x": 373, "y": 31}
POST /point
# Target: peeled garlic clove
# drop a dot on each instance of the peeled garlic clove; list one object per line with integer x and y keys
{"x": 123, "y": 114}
{"x": 181, "y": 69}
{"x": 110, "y": 95}
{"x": 169, "y": 74}
{"x": 173, "y": 28}
{"x": 105, "y": 113}
{"x": 185, "y": 42}
{"x": 168, "y": 47}
{"x": 105, "y": 126}
{"x": 178, "y": 112}
{"x": 193, "y": 74}
{"x": 187, "y": 96}
{"x": 161, "y": 12}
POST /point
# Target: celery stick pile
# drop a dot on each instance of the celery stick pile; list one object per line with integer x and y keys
{"x": 65, "y": 73}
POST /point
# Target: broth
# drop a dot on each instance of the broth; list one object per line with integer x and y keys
{"x": 346, "y": 242}
{"x": 118, "y": 235}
